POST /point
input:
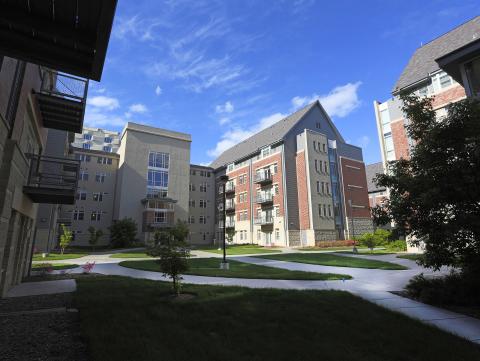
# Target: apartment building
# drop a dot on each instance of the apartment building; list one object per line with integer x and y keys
{"x": 292, "y": 184}
{"x": 201, "y": 211}
{"x": 447, "y": 68}
{"x": 45, "y": 64}
{"x": 376, "y": 194}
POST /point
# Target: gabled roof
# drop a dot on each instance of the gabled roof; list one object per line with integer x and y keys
{"x": 271, "y": 135}
{"x": 372, "y": 170}
{"x": 422, "y": 63}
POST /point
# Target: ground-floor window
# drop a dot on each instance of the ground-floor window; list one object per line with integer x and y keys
{"x": 160, "y": 217}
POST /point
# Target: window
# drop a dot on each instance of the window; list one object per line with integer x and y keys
{"x": 98, "y": 197}
{"x": 202, "y": 220}
{"x": 191, "y": 187}
{"x": 192, "y": 203}
{"x": 318, "y": 125}
{"x": 277, "y": 234}
{"x": 472, "y": 71}
{"x": 83, "y": 158}
{"x": 320, "y": 210}
{"x": 203, "y": 203}
{"x": 83, "y": 175}
{"x": 108, "y": 139}
{"x": 259, "y": 235}
{"x": 158, "y": 160}
{"x": 314, "y": 145}
{"x": 78, "y": 215}
{"x": 230, "y": 167}
{"x": 193, "y": 172}
{"x": 275, "y": 168}
{"x": 203, "y": 187}
{"x": 323, "y": 187}
{"x": 275, "y": 187}
{"x": 316, "y": 165}
{"x": 157, "y": 178}
{"x": 276, "y": 210}
{"x": 160, "y": 217}
{"x": 209, "y": 174}
{"x": 242, "y": 179}
{"x": 325, "y": 167}
{"x": 329, "y": 210}
{"x": 265, "y": 152}
{"x": 445, "y": 80}
{"x": 318, "y": 187}
{"x": 324, "y": 146}
{"x": 95, "y": 216}
{"x": 202, "y": 173}
{"x": 389, "y": 148}
{"x": 82, "y": 195}
{"x": 87, "y": 136}
{"x": 107, "y": 148}
{"x": 385, "y": 118}
{"x": 100, "y": 177}
{"x": 241, "y": 235}
{"x": 104, "y": 160}
{"x": 86, "y": 145}
{"x": 191, "y": 219}
{"x": 327, "y": 187}
{"x": 324, "y": 210}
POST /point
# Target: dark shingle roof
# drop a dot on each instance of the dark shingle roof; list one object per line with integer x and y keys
{"x": 270, "y": 135}
{"x": 422, "y": 63}
{"x": 372, "y": 170}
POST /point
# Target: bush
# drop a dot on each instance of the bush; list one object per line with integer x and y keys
{"x": 123, "y": 232}
{"x": 396, "y": 246}
{"x": 456, "y": 288}
{"x": 379, "y": 238}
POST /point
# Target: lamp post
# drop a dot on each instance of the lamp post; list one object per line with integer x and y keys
{"x": 224, "y": 180}
{"x": 354, "y": 250}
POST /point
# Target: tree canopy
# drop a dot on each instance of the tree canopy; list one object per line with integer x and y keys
{"x": 435, "y": 195}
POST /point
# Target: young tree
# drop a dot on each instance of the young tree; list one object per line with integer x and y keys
{"x": 95, "y": 235}
{"x": 229, "y": 234}
{"x": 65, "y": 238}
{"x": 123, "y": 232}
{"x": 173, "y": 252}
{"x": 435, "y": 195}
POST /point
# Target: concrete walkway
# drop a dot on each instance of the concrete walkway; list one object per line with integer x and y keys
{"x": 42, "y": 288}
{"x": 370, "y": 284}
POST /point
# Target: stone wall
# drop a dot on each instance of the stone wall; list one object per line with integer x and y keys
{"x": 360, "y": 226}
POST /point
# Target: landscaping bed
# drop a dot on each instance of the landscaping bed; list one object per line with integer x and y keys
{"x": 55, "y": 267}
{"x": 326, "y": 259}
{"x": 239, "y": 249}
{"x": 131, "y": 319}
{"x": 211, "y": 267}
{"x": 57, "y": 256}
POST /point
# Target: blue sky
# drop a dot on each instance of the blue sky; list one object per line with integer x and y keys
{"x": 222, "y": 70}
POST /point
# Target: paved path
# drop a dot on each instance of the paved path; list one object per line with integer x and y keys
{"x": 371, "y": 284}
{"x": 42, "y": 288}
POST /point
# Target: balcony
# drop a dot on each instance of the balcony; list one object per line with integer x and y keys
{"x": 264, "y": 199}
{"x": 263, "y": 177}
{"x": 158, "y": 219}
{"x": 61, "y": 101}
{"x": 263, "y": 220}
{"x": 230, "y": 207}
{"x": 52, "y": 180}
{"x": 230, "y": 223}
{"x": 229, "y": 188}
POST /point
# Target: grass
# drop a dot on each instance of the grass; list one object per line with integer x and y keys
{"x": 328, "y": 249}
{"x": 130, "y": 319}
{"x": 58, "y": 256}
{"x": 56, "y": 267}
{"x": 239, "y": 249}
{"x": 327, "y": 259}
{"x": 211, "y": 267}
{"x": 131, "y": 254}
{"x": 367, "y": 252}
{"x": 411, "y": 256}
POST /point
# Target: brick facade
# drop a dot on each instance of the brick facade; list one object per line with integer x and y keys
{"x": 355, "y": 186}
{"x": 454, "y": 94}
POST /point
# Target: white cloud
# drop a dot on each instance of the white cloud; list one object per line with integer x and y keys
{"x": 99, "y": 118}
{"x": 363, "y": 141}
{"x": 102, "y": 101}
{"x": 223, "y": 121}
{"x": 238, "y": 134}
{"x": 137, "y": 108}
{"x": 158, "y": 90}
{"x": 339, "y": 102}
{"x": 226, "y": 108}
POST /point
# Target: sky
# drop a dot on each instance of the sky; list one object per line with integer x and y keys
{"x": 222, "y": 70}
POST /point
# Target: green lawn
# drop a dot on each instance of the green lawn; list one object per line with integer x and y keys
{"x": 367, "y": 252}
{"x": 131, "y": 319}
{"x": 58, "y": 256}
{"x": 131, "y": 254}
{"x": 327, "y": 259}
{"x": 211, "y": 267}
{"x": 240, "y": 249}
{"x": 411, "y": 256}
{"x": 56, "y": 266}
{"x": 328, "y": 249}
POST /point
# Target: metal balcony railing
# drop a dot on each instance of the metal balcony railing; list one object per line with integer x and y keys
{"x": 62, "y": 100}
{"x": 230, "y": 223}
{"x": 52, "y": 179}
{"x": 263, "y": 220}
{"x": 263, "y": 177}
{"x": 229, "y": 188}
{"x": 264, "y": 198}
{"x": 230, "y": 206}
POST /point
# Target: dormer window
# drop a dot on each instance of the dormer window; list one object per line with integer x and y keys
{"x": 87, "y": 136}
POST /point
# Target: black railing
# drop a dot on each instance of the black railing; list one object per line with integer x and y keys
{"x": 261, "y": 177}
{"x": 64, "y": 86}
{"x": 263, "y": 220}
{"x": 53, "y": 172}
{"x": 264, "y": 198}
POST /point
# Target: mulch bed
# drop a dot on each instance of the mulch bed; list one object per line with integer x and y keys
{"x": 40, "y": 328}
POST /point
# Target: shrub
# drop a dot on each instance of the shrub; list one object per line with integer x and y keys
{"x": 123, "y": 232}
{"x": 457, "y": 288}
{"x": 329, "y": 244}
{"x": 95, "y": 235}
{"x": 397, "y": 246}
